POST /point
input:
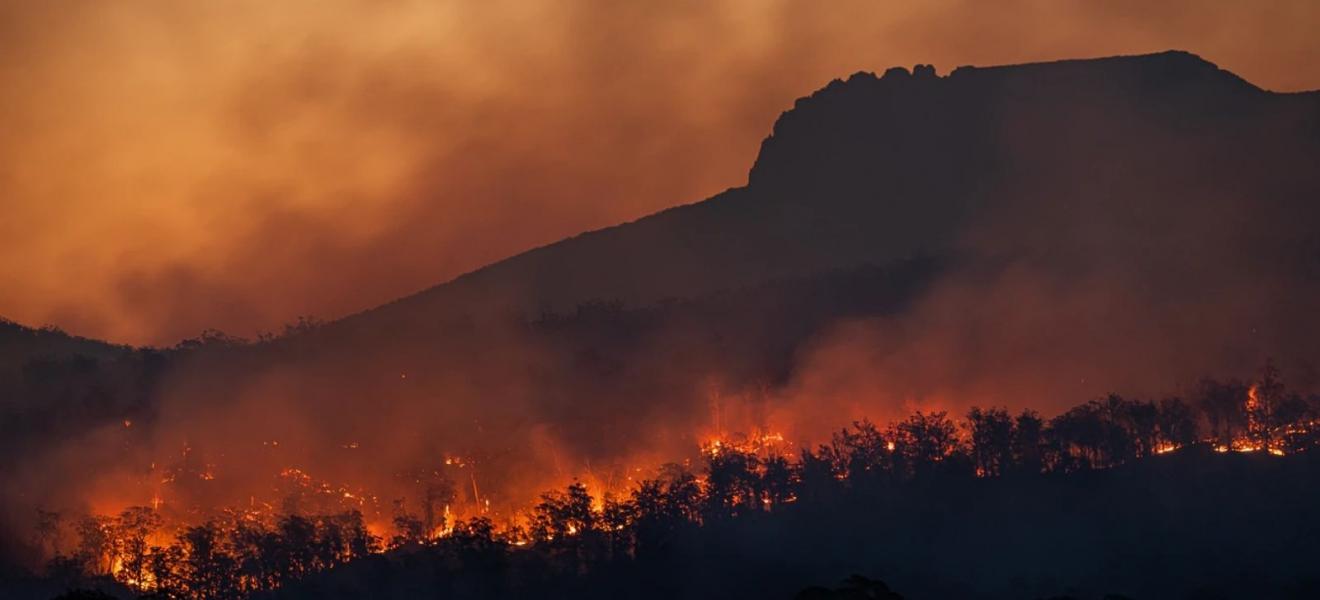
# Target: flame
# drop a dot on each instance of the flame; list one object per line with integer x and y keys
{"x": 165, "y": 489}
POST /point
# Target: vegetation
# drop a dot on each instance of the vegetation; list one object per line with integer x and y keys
{"x": 572, "y": 537}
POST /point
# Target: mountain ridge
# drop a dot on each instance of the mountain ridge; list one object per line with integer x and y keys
{"x": 1164, "y": 69}
{"x": 998, "y": 237}
{"x": 695, "y": 245}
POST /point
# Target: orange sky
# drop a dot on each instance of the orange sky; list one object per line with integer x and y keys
{"x": 167, "y": 167}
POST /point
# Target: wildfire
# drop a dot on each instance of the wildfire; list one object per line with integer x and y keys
{"x": 759, "y": 444}
{"x": 447, "y": 524}
{"x": 742, "y": 473}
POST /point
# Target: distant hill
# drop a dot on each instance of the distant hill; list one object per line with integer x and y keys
{"x": 879, "y": 169}
{"x": 1029, "y": 235}
{"x": 1134, "y": 222}
{"x": 19, "y": 343}
{"x": 21, "y": 346}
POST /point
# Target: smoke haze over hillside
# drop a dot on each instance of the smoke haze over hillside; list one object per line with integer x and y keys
{"x": 1030, "y": 236}
{"x": 171, "y": 167}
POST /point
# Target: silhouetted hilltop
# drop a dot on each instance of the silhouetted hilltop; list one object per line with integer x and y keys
{"x": 910, "y": 163}
{"x": 19, "y": 342}
{"x": 1037, "y": 230}
{"x": 1016, "y": 236}
{"x": 918, "y": 128}
{"x": 878, "y": 169}
{"x": 22, "y": 346}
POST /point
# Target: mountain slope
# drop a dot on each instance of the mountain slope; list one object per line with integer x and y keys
{"x": 877, "y": 169}
{"x": 1126, "y": 224}
{"x": 1044, "y": 234}
{"x": 1023, "y": 236}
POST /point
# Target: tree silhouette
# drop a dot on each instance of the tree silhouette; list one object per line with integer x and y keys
{"x": 991, "y": 440}
{"x": 1224, "y": 405}
{"x": 616, "y": 519}
{"x": 342, "y": 538}
{"x": 778, "y": 481}
{"x": 408, "y": 528}
{"x": 164, "y": 566}
{"x": 1028, "y": 443}
{"x": 96, "y": 544}
{"x": 864, "y": 454}
{"x": 207, "y": 571}
{"x": 1176, "y": 422}
{"x": 732, "y": 482}
{"x": 663, "y": 506}
{"x": 1103, "y": 433}
{"x": 257, "y": 555}
{"x": 479, "y": 550}
{"x": 568, "y": 527}
{"x": 925, "y": 441}
{"x": 819, "y": 474}
{"x": 653, "y": 520}
{"x": 1118, "y": 434}
{"x": 1264, "y": 401}
{"x": 683, "y": 494}
{"x": 1077, "y": 437}
{"x": 1141, "y": 419}
{"x": 563, "y": 514}
{"x": 130, "y": 531}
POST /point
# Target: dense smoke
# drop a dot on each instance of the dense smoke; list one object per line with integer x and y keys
{"x": 324, "y": 173}
{"x": 1126, "y": 247}
{"x": 169, "y": 168}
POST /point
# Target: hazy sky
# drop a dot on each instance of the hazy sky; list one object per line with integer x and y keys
{"x": 167, "y": 167}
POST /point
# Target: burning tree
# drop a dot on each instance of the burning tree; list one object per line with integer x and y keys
{"x": 237, "y": 553}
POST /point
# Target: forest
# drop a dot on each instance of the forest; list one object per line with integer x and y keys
{"x": 751, "y": 490}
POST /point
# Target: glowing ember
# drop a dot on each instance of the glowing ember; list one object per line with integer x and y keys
{"x": 741, "y": 474}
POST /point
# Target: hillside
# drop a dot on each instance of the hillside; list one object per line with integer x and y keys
{"x": 1124, "y": 224}
{"x": 19, "y": 343}
{"x": 878, "y": 169}
{"x": 1027, "y": 236}
{"x": 1192, "y": 524}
